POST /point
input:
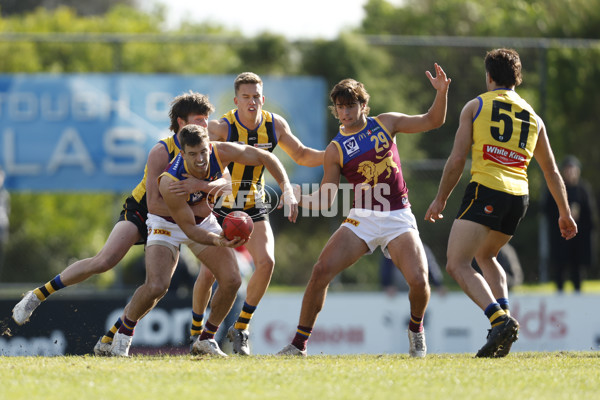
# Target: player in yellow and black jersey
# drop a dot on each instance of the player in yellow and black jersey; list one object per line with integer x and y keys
{"x": 503, "y": 133}
{"x": 249, "y": 124}
{"x": 189, "y": 108}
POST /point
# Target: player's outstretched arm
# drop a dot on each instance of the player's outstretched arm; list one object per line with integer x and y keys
{"x": 302, "y": 155}
{"x": 323, "y": 198}
{"x": 432, "y": 119}
{"x": 436, "y": 115}
{"x": 248, "y": 155}
{"x": 455, "y": 163}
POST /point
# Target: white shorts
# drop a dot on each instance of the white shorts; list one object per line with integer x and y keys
{"x": 378, "y": 228}
{"x": 169, "y": 234}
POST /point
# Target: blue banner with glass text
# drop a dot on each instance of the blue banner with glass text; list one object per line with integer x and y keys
{"x": 93, "y": 132}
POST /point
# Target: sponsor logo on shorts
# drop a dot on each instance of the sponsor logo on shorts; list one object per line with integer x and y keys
{"x": 351, "y": 221}
{"x": 161, "y": 232}
{"x": 488, "y": 209}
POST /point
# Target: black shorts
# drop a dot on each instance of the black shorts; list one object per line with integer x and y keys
{"x": 257, "y": 214}
{"x": 138, "y": 214}
{"x": 497, "y": 210}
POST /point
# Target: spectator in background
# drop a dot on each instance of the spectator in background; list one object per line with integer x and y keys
{"x": 4, "y": 215}
{"x": 570, "y": 257}
{"x": 393, "y": 281}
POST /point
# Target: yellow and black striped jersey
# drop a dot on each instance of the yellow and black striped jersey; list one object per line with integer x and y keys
{"x": 172, "y": 146}
{"x": 248, "y": 181}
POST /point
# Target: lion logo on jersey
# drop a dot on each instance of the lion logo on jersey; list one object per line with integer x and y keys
{"x": 371, "y": 170}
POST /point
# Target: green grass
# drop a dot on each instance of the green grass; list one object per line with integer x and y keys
{"x": 557, "y": 375}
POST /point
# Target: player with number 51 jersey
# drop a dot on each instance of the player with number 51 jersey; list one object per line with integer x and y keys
{"x": 505, "y": 133}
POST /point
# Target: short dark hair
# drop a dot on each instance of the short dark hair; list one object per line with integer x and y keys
{"x": 349, "y": 91}
{"x": 187, "y": 104}
{"x": 246, "y": 77}
{"x": 504, "y": 67}
{"x": 192, "y": 135}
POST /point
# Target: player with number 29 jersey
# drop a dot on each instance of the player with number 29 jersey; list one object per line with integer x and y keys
{"x": 369, "y": 158}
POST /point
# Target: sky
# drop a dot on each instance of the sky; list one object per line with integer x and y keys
{"x": 306, "y": 19}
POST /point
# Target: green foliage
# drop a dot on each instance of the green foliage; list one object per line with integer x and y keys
{"x": 350, "y": 56}
{"x": 268, "y": 54}
{"x": 50, "y": 230}
{"x": 561, "y": 83}
{"x": 96, "y": 7}
{"x": 297, "y": 247}
{"x": 518, "y": 18}
{"x": 82, "y": 54}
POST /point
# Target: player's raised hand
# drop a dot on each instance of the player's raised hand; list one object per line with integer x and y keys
{"x": 440, "y": 81}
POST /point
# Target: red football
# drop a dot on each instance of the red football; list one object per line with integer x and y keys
{"x": 237, "y": 223}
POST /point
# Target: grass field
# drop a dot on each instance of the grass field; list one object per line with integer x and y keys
{"x": 557, "y": 375}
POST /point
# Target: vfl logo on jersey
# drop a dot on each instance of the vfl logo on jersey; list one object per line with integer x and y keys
{"x": 488, "y": 209}
{"x": 371, "y": 170}
{"x": 500, "y": 155}
{"x": 161, "y": 232}
{"x": 351, "y": 146}
{"x": 263, "y": 145}
{"x": 351, "y": 221}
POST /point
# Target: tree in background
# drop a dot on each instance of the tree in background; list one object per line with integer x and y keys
{"x": 562, "y": 79}
{"x": 561, "y": 82}
{"x": 84, "y": 8}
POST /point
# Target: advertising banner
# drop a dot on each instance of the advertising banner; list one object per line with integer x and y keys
{"x": 93, "y": 132}
{"x": 350, "y": 323}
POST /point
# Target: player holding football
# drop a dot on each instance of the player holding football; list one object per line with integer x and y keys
{"x": 190, "y": 221}
{"x": 251, "y": 125}
{"x": 365, "y": 153}
{"x": 504, "y": 133}
{"x": 188, "y": 108}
